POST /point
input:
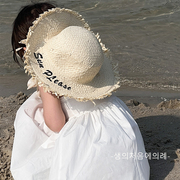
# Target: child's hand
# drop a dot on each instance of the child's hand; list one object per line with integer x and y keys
{"x": 52, "y": 111}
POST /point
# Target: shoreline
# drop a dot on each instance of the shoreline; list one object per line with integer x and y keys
{"x": 12, "y": 84}
{"x": 159, "y": 123}
{"x": 149, "y": 96}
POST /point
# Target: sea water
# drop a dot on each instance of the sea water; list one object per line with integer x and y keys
{"x": 143, "y": 36}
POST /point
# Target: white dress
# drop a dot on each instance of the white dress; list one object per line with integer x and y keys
{"x": 100, "y": 141}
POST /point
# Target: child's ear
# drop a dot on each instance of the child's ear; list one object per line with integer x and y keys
{"x": 24, "y": 48}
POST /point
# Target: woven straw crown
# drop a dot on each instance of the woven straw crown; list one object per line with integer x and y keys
{"x": 67, "y": 59}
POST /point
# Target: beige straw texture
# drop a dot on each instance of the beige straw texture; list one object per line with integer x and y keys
{"x": 67, "y": 59}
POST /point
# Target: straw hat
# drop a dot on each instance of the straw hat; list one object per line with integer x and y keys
{"x": 67, "y": 59}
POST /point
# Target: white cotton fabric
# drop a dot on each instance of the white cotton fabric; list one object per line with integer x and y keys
{"x": 89, "y": 147}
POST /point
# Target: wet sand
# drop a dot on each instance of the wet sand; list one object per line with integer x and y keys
{"x": 144, "y": 38}
{"x": 159, "y": 125}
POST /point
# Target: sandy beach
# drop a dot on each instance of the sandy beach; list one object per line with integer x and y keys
{"x": 159, "y": 125}
{"x": 144, "y": 39}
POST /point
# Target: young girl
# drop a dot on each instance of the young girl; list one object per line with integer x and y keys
{"x": 71, "y": 128}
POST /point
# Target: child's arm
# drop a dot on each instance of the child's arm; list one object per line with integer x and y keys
{"x": 52, "y": 111}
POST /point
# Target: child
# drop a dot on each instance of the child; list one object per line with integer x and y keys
{"x": 70, "y": 129}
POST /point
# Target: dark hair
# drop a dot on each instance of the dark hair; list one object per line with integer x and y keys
{"x": 22, "y": 23}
